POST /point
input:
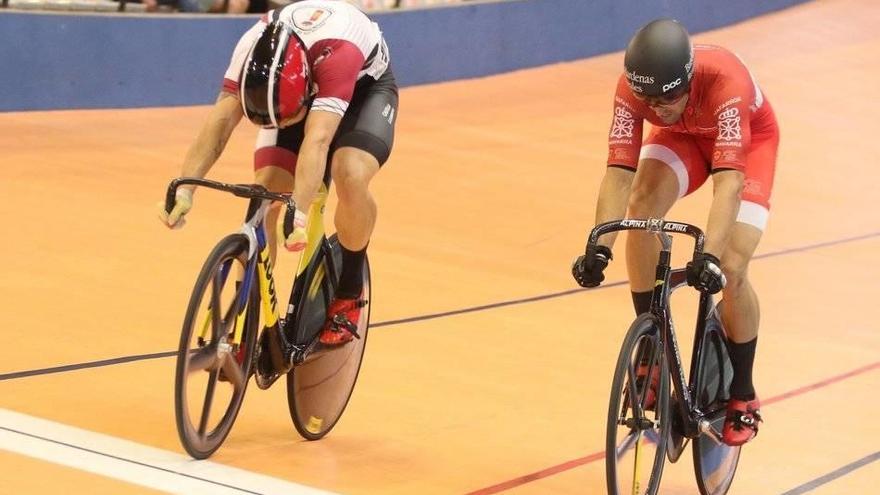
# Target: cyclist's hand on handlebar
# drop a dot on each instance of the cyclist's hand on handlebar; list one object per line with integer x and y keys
{"x": 704, "y": 273}
{"x": 182, "y": 205}
{"x": 588, "y": 271}
{"x": 298, "y": 238}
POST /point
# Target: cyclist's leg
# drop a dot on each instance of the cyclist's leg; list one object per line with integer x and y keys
{"x": 274, "y": 166}
{"x": 352, "y": 170}
{"x": 362, "y": 145}
{"x": 740, "y": 312}
{"x": 670, "y": 167}
{"x": 740, "y": 315}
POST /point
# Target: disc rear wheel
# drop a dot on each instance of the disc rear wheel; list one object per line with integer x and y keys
{"x": 318, "y": 390}
{"x": 714, "y": 463}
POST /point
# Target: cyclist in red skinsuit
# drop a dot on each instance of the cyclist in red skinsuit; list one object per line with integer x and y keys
{"x": 709, "y": 117}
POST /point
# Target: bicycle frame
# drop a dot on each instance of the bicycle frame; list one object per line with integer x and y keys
{"x": 666, "y": 281}
{"x": 259, "y": 265}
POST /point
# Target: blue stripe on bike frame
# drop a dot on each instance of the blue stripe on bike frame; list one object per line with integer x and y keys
{"x": 838, "y": 473}
{"x": 127, "y": 359}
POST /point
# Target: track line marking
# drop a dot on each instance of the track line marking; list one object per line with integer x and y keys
{"x": 837, "y": 473}
{"x": 132, "y": 462}
{"x": 600, "y": 455}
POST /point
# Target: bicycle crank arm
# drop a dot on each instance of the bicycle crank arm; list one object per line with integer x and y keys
{"x": 706, "y": 428}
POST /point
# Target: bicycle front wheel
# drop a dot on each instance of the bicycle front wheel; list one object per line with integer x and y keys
{"x": 212, "y": 368}
{"x": 638, "y": 413}
{"x": 714, "y": 463}
{"x": 319, "y": 389}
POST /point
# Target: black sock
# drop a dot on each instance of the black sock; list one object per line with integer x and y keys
{"x": 742, "y": 357}
{"x": 351, "y": 281}
{"x": 642, "y": 301}
{"x": 642, "y": 304}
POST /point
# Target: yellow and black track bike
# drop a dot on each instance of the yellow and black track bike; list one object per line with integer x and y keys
{"x": 642, "y": 433}
{"x": 233, "y": 330}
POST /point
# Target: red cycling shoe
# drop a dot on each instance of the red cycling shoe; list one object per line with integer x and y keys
{"x": 341, "y": 326}
{"x": 741, "y": 424}
{"x": 651, "y": 393}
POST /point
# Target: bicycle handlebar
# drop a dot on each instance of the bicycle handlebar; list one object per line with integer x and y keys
{"x": 654, "y": 225}
{"x": 241, "y": 190}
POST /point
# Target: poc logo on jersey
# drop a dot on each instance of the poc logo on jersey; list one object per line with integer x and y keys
{"x": 673, "y": 84}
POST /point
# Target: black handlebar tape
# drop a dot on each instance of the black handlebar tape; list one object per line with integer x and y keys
{"x": 170, "y": 197}
{"x": 289, "y": 215}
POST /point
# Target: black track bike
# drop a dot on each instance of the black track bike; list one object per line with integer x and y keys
{"x": 649, "y": 420}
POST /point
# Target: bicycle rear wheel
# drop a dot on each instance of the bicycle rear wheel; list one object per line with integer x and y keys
{"x": 318, "y": 390}
{"x": 714, "y": 463}
{"x": 213, "y": 371}
{"x": 636, "y": 436}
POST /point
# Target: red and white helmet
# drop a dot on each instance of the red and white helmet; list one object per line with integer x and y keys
{"x": 276, "y": 77}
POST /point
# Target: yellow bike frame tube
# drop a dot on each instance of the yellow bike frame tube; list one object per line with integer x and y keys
{"x": 239, "y": 323}
{"x": 314, "y": 229}
{"x": 267, "y": 288}
{"x": 206, "y": 325}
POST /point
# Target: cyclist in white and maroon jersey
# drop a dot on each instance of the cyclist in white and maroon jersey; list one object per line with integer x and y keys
{"x": 315, "y": 76}
{"x": 709, "y": 119}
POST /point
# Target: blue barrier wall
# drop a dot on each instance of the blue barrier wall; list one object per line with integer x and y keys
{"x": 54, "y": 61}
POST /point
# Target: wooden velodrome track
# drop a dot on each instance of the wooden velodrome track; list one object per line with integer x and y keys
{"x": 487, "y": 198}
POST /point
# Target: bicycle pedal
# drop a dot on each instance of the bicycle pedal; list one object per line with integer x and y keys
{"x": 341, "y": 323}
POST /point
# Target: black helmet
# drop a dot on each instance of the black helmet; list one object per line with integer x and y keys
{"x": 659, "y": 58}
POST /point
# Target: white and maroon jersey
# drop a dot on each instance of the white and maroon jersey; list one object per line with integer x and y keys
{"x": 343, "y": 44}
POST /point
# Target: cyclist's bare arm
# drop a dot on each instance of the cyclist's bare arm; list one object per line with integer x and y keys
{"x": 613, "y": 199}
{"x": 320, "y": 128}
{"x": 206, "y": 149}
{"x": 727, "y": 187}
